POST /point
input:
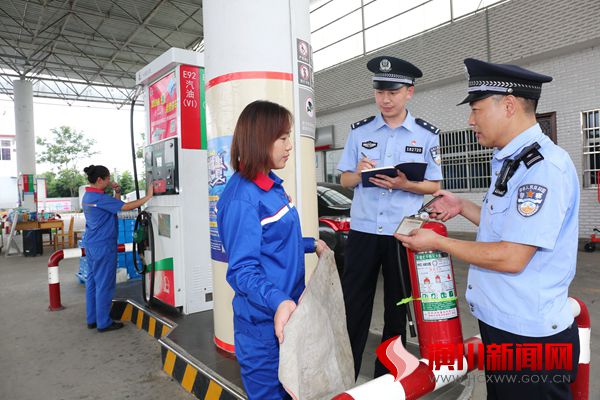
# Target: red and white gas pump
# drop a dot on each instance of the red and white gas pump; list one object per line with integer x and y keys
{"x": 176, "y": 165}
{"x": 434, "y": 292}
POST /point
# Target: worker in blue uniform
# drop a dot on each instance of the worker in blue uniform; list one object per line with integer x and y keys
{"x": 260, "y": 230}
{"x": 100, "y": 243}
{"x": 525, "y": 254}
{"x": 392, "y": 137}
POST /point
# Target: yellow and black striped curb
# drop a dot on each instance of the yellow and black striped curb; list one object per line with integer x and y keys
{"x": 192, "y": 379}
{"x": 175, "y": 363}
{"x": 128, "y": 311}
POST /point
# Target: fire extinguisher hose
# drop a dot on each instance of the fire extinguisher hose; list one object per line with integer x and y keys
{"x": 405, "y": 294}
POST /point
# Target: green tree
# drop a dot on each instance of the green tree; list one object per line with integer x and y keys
{"x": 139, "y": 152}
{"x": 126, "y": 182}
{"x": 68, "y": 181}
{"x": 50, "y": 184}
{"x": 65, "y": 148}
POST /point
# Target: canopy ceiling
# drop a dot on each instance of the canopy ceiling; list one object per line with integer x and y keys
{"x": 91, "y": 49}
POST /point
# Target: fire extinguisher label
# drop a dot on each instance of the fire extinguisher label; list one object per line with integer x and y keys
{"x": 436, "y": 286}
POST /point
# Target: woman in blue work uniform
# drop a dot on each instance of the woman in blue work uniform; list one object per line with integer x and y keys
{"x": 100, "y": 244}
{"x": 260, "y": 230}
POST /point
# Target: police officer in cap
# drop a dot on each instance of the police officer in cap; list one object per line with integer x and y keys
{"x": 525, "y": 254}
{"x": 391, "y": 137}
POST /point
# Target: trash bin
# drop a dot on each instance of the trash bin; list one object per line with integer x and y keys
{"x": 32, "y": 243}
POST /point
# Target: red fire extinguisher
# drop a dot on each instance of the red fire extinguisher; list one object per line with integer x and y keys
{"x": 434, "y": 293}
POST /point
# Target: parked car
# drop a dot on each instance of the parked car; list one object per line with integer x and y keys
{"x": 334, "y": 202}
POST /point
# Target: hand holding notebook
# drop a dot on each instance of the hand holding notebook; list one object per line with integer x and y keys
{"x": 414, "y": 171}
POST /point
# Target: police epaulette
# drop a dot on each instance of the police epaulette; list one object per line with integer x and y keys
{"x": 431, "y": 128}
{"x": 362, "y": 122}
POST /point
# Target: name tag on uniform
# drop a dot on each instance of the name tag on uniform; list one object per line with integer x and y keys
{"x": 414, "y": 149}
{"x": 408, "y": 224}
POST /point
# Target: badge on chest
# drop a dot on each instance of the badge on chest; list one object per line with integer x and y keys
{"x": 413, "y": 149}
{"x": 369, "y": 145}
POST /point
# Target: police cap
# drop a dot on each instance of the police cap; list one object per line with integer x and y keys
{"x": 487, "y": 79}
{"x": 391, "y": 73}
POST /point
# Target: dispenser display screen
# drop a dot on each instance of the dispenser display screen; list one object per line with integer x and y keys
{"x": 162, "y": 169}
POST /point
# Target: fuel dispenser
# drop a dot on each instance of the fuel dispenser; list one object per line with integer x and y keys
{"x": 173, "y": 232}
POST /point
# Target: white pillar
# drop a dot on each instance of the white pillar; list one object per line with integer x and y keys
{"x": 25, "y": 135}
{"x": 23, "y": 92}
{"x": 259, "y": 50}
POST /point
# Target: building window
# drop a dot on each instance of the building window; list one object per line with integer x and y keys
{"x": 332, "y": 158}
{"x": 547, "y": 123}
{"x": 590, "y": 123}
{"x": 5, "y": 149}
{"x": 465, "y": 163}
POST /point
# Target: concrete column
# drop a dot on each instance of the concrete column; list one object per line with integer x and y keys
{"x": 24, "y": 129}
{"x": 258, "y": 50}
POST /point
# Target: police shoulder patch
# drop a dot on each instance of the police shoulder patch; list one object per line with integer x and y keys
{"x": 424, "y": 124}
{"x": 530, "y": 199}
{"x": 362, "y": 122}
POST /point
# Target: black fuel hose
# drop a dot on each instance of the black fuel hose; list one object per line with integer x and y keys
{"x": 143, "y": 223}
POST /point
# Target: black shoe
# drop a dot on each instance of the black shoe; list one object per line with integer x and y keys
{"x": 92, "y": 326}
{"x": 112, "y": 327}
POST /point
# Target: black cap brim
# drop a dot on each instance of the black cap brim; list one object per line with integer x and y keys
{"x": 475, "y": 96}
{"x": 387, "y": 85}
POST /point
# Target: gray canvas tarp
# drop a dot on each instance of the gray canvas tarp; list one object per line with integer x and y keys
{"x": 315, "y": 358}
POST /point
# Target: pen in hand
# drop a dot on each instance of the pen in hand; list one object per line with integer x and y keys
{"x": 365, "y": 156}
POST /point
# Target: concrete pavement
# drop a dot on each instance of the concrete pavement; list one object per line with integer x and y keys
{"x": 53, "y": 355}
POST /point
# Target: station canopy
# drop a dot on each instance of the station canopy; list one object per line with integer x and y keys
{"x": 90, "y": 50}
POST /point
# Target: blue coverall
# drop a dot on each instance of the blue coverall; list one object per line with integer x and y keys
{"x": 260, "y": 230}
{"x": 100, "y": 244}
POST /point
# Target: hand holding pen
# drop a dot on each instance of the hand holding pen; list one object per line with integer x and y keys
{"x": 365, "y": 163}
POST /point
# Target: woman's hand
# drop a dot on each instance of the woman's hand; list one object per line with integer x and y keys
{"x": 284, "y": 311}
{"x": 320, "y": 247}
{"x": 150, "y": 191}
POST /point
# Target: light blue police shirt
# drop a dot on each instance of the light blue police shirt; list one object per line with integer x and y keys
{"x": 376, "y": 210}
{"x": 540, "y": 208}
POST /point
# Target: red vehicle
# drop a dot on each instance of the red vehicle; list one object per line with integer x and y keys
{"x": 334, "y": 202}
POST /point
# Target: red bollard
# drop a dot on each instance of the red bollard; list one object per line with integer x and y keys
{"x": 581, "y": 387}
{"x": 54, "y": 281}
{"x": 53, "y": 277}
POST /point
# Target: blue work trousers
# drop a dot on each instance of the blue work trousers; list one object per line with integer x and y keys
{"x": 257, "y": 351}
{"x": 100, "y": 284}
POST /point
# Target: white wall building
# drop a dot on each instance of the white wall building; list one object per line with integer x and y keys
{"x": 553, "y": 37}
{"x": 8, "y": 172}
